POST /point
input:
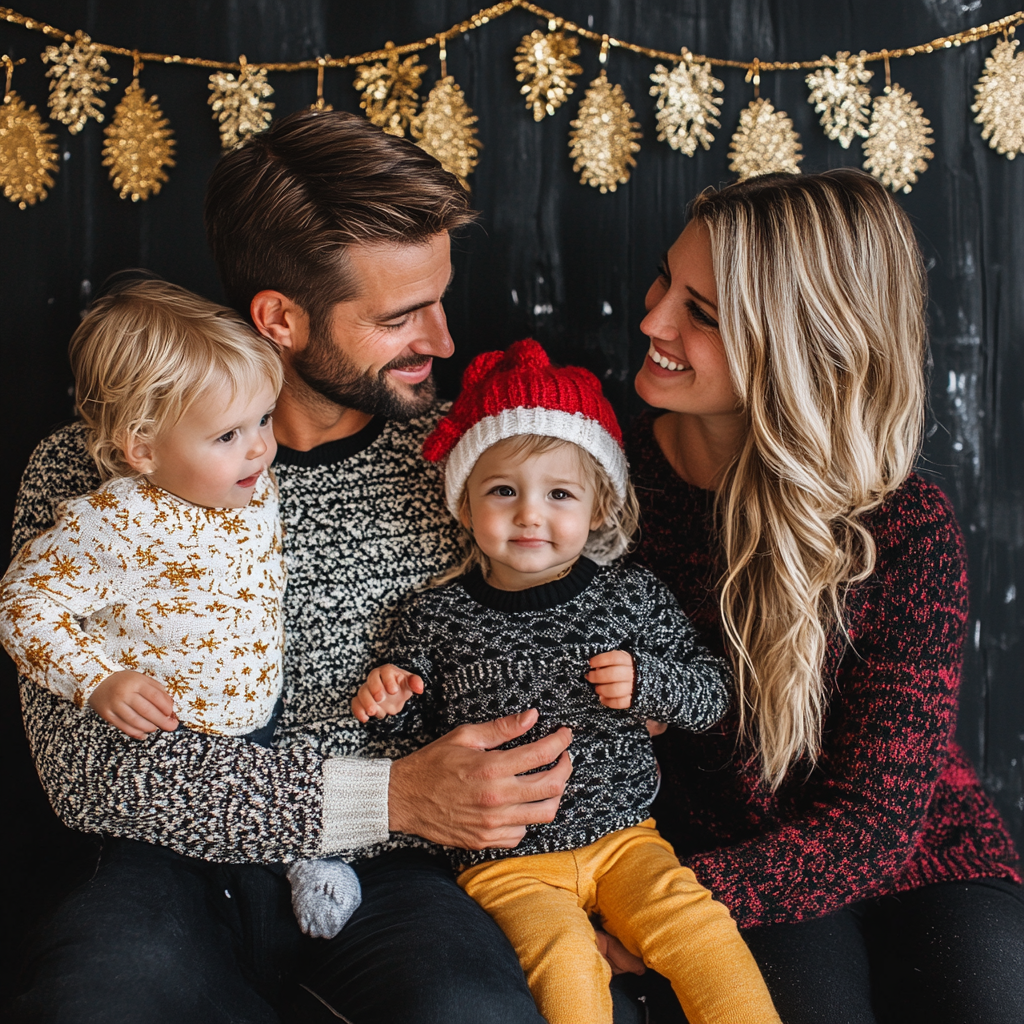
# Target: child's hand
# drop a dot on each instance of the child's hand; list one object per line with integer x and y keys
{"x": 385, "y": 692}
{"x": 136, "y": 704}
{"x": 612, "y": 675}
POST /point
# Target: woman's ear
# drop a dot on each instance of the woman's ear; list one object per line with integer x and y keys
{"x": 139, "y": 454}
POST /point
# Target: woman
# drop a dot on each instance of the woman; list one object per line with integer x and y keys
{"x": 832, "y": 812}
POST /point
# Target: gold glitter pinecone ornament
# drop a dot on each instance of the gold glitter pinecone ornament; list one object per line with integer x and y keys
{"x": 764, "y": 142}
{"x": 545, "y": 66}
{"x": 840, "y": 96}
{"x": 602, "y": 140}
{"x": 444, "y": 128}
{"x": 898, "y": 139}
{"x": 390, "y": 91}
{"x": 686, "y": 104}
{"x": 78, "y": 76}
{"x": 1000, "y": 102}
{"x": 240, "y": 104}
{"x": 28, "y": 153}
{"x": 140, "y": 144}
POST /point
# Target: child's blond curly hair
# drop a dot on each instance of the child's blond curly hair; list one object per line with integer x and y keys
{"x": 145, "y": 354}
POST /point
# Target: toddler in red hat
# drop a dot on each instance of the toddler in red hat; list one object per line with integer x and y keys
{"x": 543, "y": 613}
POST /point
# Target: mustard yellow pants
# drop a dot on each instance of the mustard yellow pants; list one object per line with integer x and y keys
{"x": 654, "y": 906}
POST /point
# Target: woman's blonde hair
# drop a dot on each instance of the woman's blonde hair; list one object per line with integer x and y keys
{"x": 620, "y": 517}
{"x": 146, "y": 353}
{"x": 821, "y": 293}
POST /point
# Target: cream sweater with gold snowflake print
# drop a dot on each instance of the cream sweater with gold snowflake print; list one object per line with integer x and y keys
{"x": 132, "y": 577}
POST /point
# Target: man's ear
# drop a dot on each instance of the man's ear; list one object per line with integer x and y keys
{"x": 138, "y": 453}
{"x": 280, "y": 319}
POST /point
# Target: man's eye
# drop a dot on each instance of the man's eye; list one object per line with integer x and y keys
{"x": 394, "y": 327}
{"x": 229, "y": 436}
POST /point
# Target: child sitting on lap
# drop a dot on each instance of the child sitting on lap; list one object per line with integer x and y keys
{"x": 541, "y": 616}
{"x": 156, "y": 600}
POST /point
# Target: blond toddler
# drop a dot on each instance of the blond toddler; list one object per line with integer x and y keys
{"x": 156, "y": 600}
{"x": 544, "y": 614}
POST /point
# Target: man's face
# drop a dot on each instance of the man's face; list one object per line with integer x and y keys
{"x": 375, "y": 352}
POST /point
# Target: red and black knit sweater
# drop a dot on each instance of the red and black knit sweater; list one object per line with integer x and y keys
{"x": 893, "y": 803}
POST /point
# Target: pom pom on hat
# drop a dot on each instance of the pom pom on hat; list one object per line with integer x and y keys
{"x": 508, "y": 394}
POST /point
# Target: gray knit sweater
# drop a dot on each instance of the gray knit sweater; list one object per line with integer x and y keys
{"x": 484, "y": 653}
{"x": 364, "y": 524}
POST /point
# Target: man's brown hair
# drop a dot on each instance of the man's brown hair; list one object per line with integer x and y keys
{"x": 282, "y": 209}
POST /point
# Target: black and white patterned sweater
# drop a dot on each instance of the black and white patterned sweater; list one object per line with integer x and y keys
{"x": 364, "y": 523}
{"x": 484, "y": 653}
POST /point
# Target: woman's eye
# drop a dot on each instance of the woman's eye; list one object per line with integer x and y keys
{"x": 700, "y": 316}
{"x": 229, "y": 436}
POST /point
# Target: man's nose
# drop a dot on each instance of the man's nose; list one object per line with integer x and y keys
{"x": 435, "y": 339}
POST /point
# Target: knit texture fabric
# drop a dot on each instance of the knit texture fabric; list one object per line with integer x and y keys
{"x": 364, "y": 523}
{"x": 132, "y": 577}
{"x": 893, "y": 803}
{"x": 484, "y": 653}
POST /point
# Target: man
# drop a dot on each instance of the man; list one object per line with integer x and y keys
{"x": 333, "y": 237}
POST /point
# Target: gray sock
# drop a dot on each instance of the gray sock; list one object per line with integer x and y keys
{"x": 325, "y": 894}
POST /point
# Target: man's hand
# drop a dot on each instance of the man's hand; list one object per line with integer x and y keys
{"x": 613, "y": 676}
{"x": 460, "y": 791}
{"x": 385, "y": 692}
{"x": 136, "y": 704}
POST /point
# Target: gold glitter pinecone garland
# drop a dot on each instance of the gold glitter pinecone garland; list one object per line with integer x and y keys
{"x": 602, "y": 140}
{"x": 444, "y": 128}
{"x": 840, "y": 96}
{"x": 389, "y": 89}
{"x": 240, "y": 104}
{"x": 686, "y": 104}
{"x": 764, "y": 142}
{"x": 898, "y": 139}
{"x": 140, "y": 144}
{"x": 28, "y": 153}
{"x": 1000, "y": 102}
{"x": 545, "y": 66}
{"x": 78, "y": 75}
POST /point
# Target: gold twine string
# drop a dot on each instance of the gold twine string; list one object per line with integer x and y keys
{"x": 555, "y": 21}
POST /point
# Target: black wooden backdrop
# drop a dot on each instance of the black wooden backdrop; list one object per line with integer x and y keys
{"x": 551, "y": 258}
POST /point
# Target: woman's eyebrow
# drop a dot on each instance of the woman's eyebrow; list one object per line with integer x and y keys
{"x": 697, "y": 295}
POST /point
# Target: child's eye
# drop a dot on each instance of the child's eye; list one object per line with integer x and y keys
{"x": 503, "y": 491}
{"x": 266, "y": 419}
{"x": 229, "y": 436}
{"x": 560, "y": 494}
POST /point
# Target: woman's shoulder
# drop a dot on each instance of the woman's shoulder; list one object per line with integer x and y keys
{"x": 916, "y": 527}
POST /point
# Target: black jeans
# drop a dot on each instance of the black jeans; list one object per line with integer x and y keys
{"x": 951, "y": 953}
{"x": 157, "y": 938}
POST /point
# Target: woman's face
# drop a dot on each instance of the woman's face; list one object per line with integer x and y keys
{"x": 685, "y": 369}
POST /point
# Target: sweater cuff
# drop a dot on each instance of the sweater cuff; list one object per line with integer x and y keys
{"x": 355, "y": 803}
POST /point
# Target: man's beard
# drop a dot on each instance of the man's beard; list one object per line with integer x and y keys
{"x": 331, "y": 374}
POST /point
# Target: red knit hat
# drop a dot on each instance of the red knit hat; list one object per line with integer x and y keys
{"x": 508, "y": 394}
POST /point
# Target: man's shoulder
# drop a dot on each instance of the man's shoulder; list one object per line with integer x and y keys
{"x": 410, "y": 434}
{"x": 59, "y": 469}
